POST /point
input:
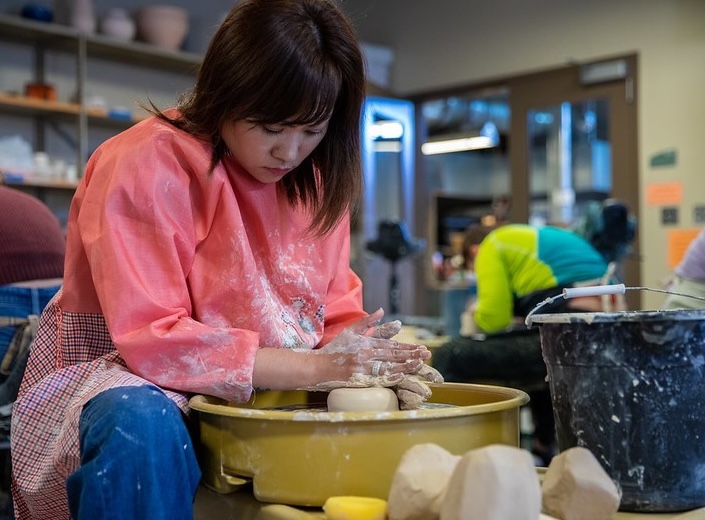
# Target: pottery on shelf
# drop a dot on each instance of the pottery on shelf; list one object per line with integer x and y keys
{"x": 165, "y": 26}
{"x": 83, "y": 16}
{"x": 118, "y": 24}
{"x": 37, "y": 12}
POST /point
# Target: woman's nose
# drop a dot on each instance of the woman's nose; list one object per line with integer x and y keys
{"x": 286, "y": 150}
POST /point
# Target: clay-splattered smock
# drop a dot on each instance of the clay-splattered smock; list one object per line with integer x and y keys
{"x": 173, "y": 277}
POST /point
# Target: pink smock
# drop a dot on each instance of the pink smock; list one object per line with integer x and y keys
{"x": 173, "y": 277}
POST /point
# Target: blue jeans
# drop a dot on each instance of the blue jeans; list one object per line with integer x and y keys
{"x": 137, "y": 459}
{"x": 20, "y": 302}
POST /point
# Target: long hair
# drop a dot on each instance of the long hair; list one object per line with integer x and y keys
{"x": 293, "y": 61}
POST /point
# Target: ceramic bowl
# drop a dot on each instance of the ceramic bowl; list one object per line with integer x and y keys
{"x": 38, "y": 12}
{"x": 165, "y": 26}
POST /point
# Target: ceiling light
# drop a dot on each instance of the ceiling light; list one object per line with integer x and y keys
{"x": 488, "y": 137}
{"x": 386, "y": 130}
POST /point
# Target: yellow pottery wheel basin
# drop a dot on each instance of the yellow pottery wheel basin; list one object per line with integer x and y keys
{"x": 295, "y": 452}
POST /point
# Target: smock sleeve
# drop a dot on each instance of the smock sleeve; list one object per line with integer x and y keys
{"x": 140, "y": 222}
{"x": 344, "y": 298}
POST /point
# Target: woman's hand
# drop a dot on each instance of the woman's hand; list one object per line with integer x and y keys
{"x": 413, "y": 390}
{"x": 367, "y": 353}
{"x": 366, "y": 348}
{"x": 362, "y": 351}
{"x": 362, "y": 355}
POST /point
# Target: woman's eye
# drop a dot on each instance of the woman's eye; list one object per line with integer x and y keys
{"x": 272, "y": 131}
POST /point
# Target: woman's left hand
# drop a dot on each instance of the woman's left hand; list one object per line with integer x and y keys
{"x": 379, "y": 360}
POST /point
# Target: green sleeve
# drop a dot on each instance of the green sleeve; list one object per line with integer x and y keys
{"x": 495, "y": 301}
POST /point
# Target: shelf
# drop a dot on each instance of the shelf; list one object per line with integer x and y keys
{"x": 28, "y": 31}
{"x": 39, "y": 183}
{"x": 50, "y": 38}
{"x": 97, "y": 46}
{"x": 23, "y": 105}
{"x": 144, "y": 54}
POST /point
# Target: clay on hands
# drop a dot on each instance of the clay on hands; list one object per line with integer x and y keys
{"x": 412, "y": 390}
{"x": 358, "y": 381}
{"x": 576, "y": 487}
{"x": 370, "y": 343}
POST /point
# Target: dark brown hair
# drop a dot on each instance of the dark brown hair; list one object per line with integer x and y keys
{"x": 295, "y": 62}
{"x": 474, "y": 235}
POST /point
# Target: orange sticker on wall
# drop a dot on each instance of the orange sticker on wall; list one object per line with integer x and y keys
{"x": 664, "y": 193}
{"x": 678, "y": 242}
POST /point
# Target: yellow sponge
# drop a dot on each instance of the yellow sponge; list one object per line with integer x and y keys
{"x": 355, "y": 508}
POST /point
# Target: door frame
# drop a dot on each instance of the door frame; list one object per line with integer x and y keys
{"x": 544, "y": 88}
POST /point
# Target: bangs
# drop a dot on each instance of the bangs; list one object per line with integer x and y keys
{"x": 305, "y": 97}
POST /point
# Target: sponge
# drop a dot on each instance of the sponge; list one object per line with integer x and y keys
{"x": 355, "y": 508}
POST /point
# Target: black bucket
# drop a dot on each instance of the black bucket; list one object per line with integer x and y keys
{"x": 630, "y": 387}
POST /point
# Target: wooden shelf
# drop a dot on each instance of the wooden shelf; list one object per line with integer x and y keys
{"x": 23, "y": 105}
{"x": 61, "y": 37}
{"x": 75, "y": 123}
{"x": 33, "y": 182}
{"x": 28, "y": 106}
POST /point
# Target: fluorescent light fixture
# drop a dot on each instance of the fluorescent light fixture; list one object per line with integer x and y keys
{"x": 487, "y": 138}
{"x": 456, "y": 145}
{"x": 386, "y": 130}
{"x": 386, "y": 146}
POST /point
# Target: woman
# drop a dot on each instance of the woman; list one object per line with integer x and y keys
{"x": 207, "y": 252}
{"x": 689, "y": 278}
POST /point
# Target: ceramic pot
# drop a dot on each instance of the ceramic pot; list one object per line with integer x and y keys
{"x": 38, "y": 12}
{"x": 117, "y": 24}
{"x": 83, "y": 16}
{"x": 165, "y": 26}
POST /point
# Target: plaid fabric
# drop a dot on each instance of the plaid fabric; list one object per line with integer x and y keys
{"x": 59, "y": 380}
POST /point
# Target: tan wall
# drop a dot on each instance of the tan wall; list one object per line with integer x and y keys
{"x": 444, "y": 43}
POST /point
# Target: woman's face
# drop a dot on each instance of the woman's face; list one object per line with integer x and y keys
{"x": 268, "y": 152}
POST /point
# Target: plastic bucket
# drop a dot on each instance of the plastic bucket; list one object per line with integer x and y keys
{"x": 630, "y": 387}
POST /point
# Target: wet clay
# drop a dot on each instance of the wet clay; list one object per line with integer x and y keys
{"x": 496, "y": 482}
{"x": 576, "y": 487}
{"x": 419, "y": 482}
{"x": 373, "y": 399}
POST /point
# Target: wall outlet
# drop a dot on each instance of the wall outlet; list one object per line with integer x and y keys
{"x": 669, "y": 216}
{"x": 699, "y": 214}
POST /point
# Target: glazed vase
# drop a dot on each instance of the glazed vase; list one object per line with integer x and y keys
{"x": 118, "y": 24}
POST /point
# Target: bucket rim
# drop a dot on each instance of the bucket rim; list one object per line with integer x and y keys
{"x": 619, "y": 316}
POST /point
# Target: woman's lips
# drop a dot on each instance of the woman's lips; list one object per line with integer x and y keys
{"x": 278, "y": 172}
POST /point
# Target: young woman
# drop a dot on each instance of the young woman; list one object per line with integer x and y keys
{"x": 208, "y": 252}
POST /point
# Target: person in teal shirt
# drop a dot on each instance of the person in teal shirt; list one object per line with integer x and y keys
{"x": 517, "y": 266}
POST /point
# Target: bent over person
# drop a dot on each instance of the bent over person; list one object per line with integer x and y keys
{"x": 517, "y": 267}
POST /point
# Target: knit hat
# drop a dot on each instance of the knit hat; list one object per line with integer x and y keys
{"x": 32, "y": 243}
